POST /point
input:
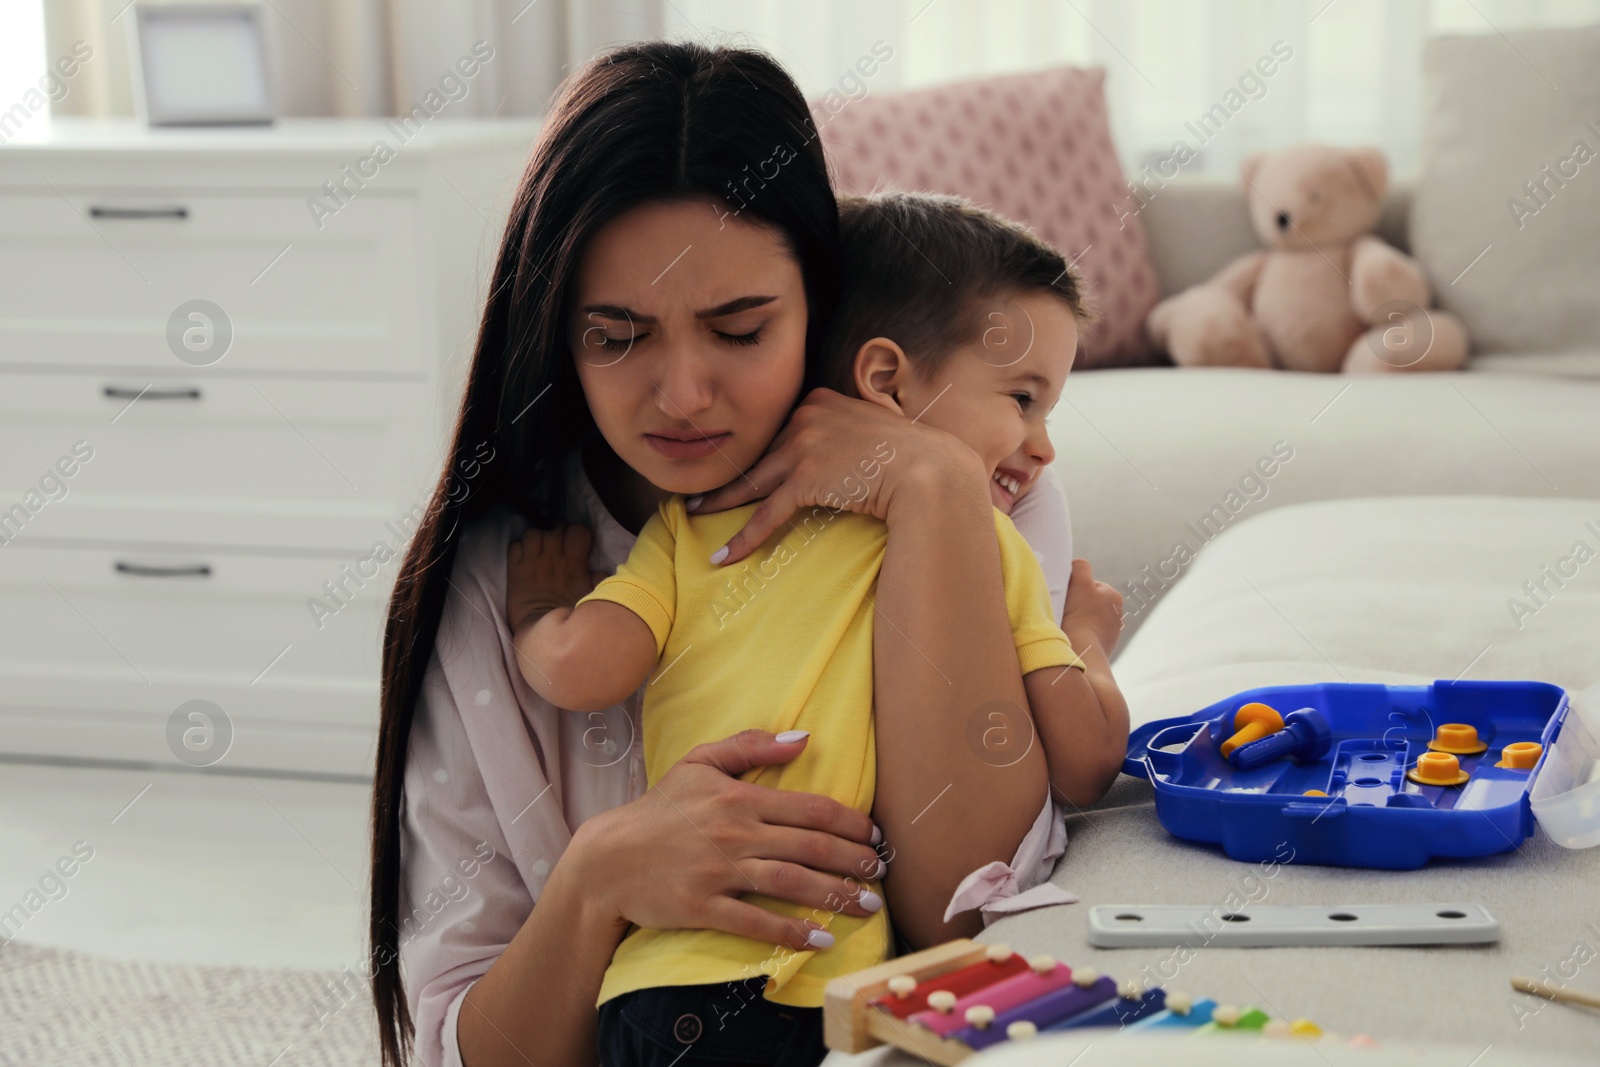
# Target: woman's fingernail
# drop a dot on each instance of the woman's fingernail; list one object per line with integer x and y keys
{"x": 870, "y": 900}
{"x": 877, "y": 835}
{"x": 883, "y": 869}
{"x": 720, "y": 554}
{"x": 789, "y": 737}
{"x": 693, "y": 502}
{"x": 819, "y": 939}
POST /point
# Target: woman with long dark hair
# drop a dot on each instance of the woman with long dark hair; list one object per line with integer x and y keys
{"x": 488, "y": 801}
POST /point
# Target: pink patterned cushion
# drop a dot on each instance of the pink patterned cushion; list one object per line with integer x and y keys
{"x": 1033, "y": 147}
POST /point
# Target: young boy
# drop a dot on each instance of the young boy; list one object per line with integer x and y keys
{"x": 943, "y": 315}
{"x": 965, "y": 322}
{"x": 890, "y": 289}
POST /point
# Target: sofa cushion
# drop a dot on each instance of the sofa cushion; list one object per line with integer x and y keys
{"x": 1033, "y": 147}
{"x": 1198, "y": 224}
{"x": 1578, "y": 364}
{"x": 1511, "y": 174}
{"x": 1400, "y": 590}
{"x": 1156, "y": 461}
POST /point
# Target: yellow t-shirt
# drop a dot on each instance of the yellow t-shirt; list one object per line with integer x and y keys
{"x": 780, "y": 641}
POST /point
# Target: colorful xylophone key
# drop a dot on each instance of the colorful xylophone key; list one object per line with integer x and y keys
{"x": 1086, "y": 991}
{"x": 945, "y": 1003}
{"x": 1131, "y": 1004}
{"x": 1180, "y": 1012}
{"x": 907, "y": 996}
{"x": 946, "y": 1013}
{"x": 1226, "y": 1018}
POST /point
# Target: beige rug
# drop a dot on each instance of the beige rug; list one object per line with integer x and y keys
{"x": 68, "y": 1009}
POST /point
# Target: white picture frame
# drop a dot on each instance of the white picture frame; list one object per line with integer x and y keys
{"x": 202, "y": 64}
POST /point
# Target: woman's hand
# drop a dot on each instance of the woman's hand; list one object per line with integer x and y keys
{"x": 681, "y": 855}
{"x": 678, "y": 857}
{"x": 837, "y": 452}
{"x": 547, "y": 569}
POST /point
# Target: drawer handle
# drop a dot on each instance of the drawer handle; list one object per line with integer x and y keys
{"x": 143, "y": 570}
{"x": 138, "y": 212}
{"x": 118, "y": 392}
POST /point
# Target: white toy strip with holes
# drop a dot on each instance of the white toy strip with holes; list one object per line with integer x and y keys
{"x": 1270, "y": 925}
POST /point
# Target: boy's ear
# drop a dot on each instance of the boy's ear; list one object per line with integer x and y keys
{"x": 881, "y": 370}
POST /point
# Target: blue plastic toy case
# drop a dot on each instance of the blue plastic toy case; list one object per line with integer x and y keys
{"x": 1373, "y": 816}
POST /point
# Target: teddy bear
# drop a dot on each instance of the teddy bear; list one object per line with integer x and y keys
{"x": 1324, "y": 294}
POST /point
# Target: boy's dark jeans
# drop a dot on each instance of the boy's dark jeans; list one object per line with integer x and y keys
{"x": 723, "y": 1023}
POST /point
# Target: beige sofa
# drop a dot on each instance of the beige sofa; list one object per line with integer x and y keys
{"x": 1158, "y": 460}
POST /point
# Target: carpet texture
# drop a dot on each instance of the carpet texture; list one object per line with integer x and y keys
{"x": 69, "y": 1008}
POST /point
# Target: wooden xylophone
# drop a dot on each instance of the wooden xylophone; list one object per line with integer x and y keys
{"x": 946, "y": 1003}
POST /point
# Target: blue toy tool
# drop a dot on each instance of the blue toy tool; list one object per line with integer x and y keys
{"x": 1305, "y": 737}
{"x": 1378, "y": 796}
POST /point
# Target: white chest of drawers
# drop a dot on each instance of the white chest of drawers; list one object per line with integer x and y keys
{"x": 242, "y": 470}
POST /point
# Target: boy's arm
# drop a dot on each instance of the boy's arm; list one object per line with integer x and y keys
{"x": 940, "y": 656}
{"x": 585, "y": 658}
{"x": 1081, "y": 715}
{"x": 582, "y": 657}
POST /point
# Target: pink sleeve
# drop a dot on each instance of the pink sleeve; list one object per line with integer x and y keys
{"x": 1041, "y": 518}
{"x": 496, "y": 780}
{"x": 998, "y": 888}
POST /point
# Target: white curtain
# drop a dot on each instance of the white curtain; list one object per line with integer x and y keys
{"x": 1354, "y": 74}
{"x": 1344, "y": 71}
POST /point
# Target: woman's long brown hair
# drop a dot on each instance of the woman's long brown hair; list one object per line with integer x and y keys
{"x": 646, "y": 122}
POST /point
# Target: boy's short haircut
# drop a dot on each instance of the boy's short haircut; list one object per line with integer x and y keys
{"x": 918, "y": 268}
